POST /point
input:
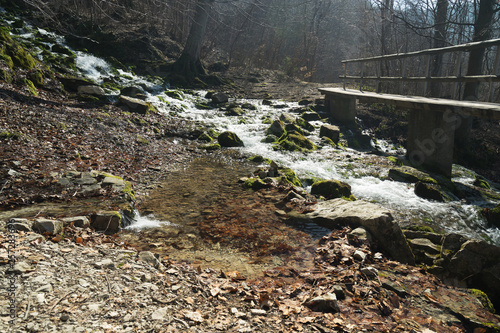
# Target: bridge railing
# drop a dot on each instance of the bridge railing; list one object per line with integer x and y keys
{"x": 416, "y": 67}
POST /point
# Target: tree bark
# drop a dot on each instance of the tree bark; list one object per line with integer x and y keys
{"x": 482, "y": 31}
{"x": 438, "y": 41}
{"x": 189, "y": 64}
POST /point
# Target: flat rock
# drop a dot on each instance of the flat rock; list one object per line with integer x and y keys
{"x": 376, "y": 219}
{"x": 53, "y": 227}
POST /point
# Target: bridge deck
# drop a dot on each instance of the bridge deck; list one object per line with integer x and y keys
{"x": 472, "y": 108}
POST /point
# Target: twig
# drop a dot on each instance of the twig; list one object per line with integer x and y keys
{"x": 53, "y": 306}
{"x": 107, "y": 281}
{"x": 181, "y": 321}
{"x": 27, "y": 308}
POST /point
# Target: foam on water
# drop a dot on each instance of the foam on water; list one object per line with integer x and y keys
{"x": 146, "y": 222}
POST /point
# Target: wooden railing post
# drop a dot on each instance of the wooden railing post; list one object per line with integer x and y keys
{"x": 458, "y": 74}
{"x": 495, "y": 72}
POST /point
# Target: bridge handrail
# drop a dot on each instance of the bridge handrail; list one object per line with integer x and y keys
{"x": 457, "y": 78}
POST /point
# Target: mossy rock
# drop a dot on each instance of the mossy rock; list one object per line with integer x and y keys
{"x": 175, "y": 94}
{"x": 62, "y": 50}
{"x": 31, "y": 87}
{"x": 229, "y": 139}
{"x": 430, "y": 192}
{"x": 6, "y": 75}
{"x": 211, "y": 146}
{"x": 259, "y": 159}
{"x": 277, "y": 128}
{"x": 481, "y": 182}
{"x": 331, "y": 189}
{"x": 37, "y": 78}
{"x": 205, "y": 137}
{"x": 289, "y": 176}
{"x": 294, "y": 128}
{"x": 492, "y": 216}
{"x": 296, "y": 142}
{"x": 483, "y": 299}
{"x": 255, "y": 183}
{"x": 305, "y": 124}
{"x": 287, "y": 118}
{"x": 408, "y": 174}
{"x": 235, "y": 111}
{"x": 395, "y": 160}
{"x": 249, "y": 106}
{"x": 21, "y": 57}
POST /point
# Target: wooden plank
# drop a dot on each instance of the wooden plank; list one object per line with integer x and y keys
{"x": 462, "y": 47}
{"x": 469, "y": 78}
{"x": 469, "y": 108}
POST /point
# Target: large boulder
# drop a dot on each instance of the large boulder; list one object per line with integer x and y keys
{"x": 229, "y": 139}
{"x": 430, "y": 192}
{"x": 133, "y": 104}
{"x": 330, "y": 131}
{"x": 331, "y": 189}
{"x": 277, "y": 128}
{"x": 219, "y": 98}
{"x": 478, "y": 264}
{"x": 377, "y": 220}
{"x": 492, "y": 216}
{"x": 108, "y": 221}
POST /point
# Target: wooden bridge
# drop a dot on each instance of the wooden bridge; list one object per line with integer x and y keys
{"x": 432, "y": 122}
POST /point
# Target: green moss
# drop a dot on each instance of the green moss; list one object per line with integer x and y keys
{"x": 211, "y": 146}
{"x": 111, "y": 86}
{"x": 255, "y": 183}
{"x": 395, "y": 160}
{"x": 31, "y": 87}
{"x": 37, "y": 78}
{"x": 259, "y": 159}
{"x": 295, "y": 142}
{"x": 141, "y": 140}
{"x": 205, "y": 137}
{"x": 21, "y": 57}
{"x": 10, "y": 135}
{"x": 423, "y": 228}
{"x": 175, "y": 94}
{"x": 289, "y": 176}
{"x": 483, "y": 298}
{"x": 6, "y": 76}
{"x": 481, "y": 182}
{"x": 331, "y": 189}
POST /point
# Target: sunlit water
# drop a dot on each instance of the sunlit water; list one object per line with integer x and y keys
{"x": 326, "y": 163}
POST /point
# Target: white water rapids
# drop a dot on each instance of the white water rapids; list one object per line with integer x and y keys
{"x": 326, "y": 163}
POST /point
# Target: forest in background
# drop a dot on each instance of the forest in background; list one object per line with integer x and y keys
{"x": 306, "y": 39}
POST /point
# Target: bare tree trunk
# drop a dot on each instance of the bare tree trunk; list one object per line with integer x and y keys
{"x": 482, "y": 31}
{"x": 189, "y": 63}
{"x": 439, "y": 40}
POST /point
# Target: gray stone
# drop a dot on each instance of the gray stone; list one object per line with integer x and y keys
{"x": 133, "y": 104}
{"x": 429, "y": 192}
{"x": 220, "y": 97}
{"x": 19, "y": 224}
{"x": 91, "y": 90}
{"x": 77, "y": 221}
{"x": 425, "y": 245}
{"x": 361, "y": 234}
{"x": 105, "y": 264}
{"x": 369, "y": 271}
{"x": 149, "y": 257}
{"x": 277, "y": 128}
{"x": 113, "y": 181}
{"x": 359, "y": 255}
{"x": 324, "y": 303}
{"x": 53, "y": 227}
{"x": 131, "y": 91}
{"x": 432, "y": 236}
{"x": 377, "y": 220}
{"x": 330, "y": 131}
{"x": 21, "y": 267}
{"x": 331, "y": 189}
{"x": 109, "y": 221}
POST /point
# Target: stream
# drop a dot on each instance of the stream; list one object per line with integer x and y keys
{"x": 363, "y": 170}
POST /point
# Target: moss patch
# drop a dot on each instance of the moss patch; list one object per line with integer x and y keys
{"x": 483, "y": 298}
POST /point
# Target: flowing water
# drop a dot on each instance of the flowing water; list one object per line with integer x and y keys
{"x": 363, "y": 171}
